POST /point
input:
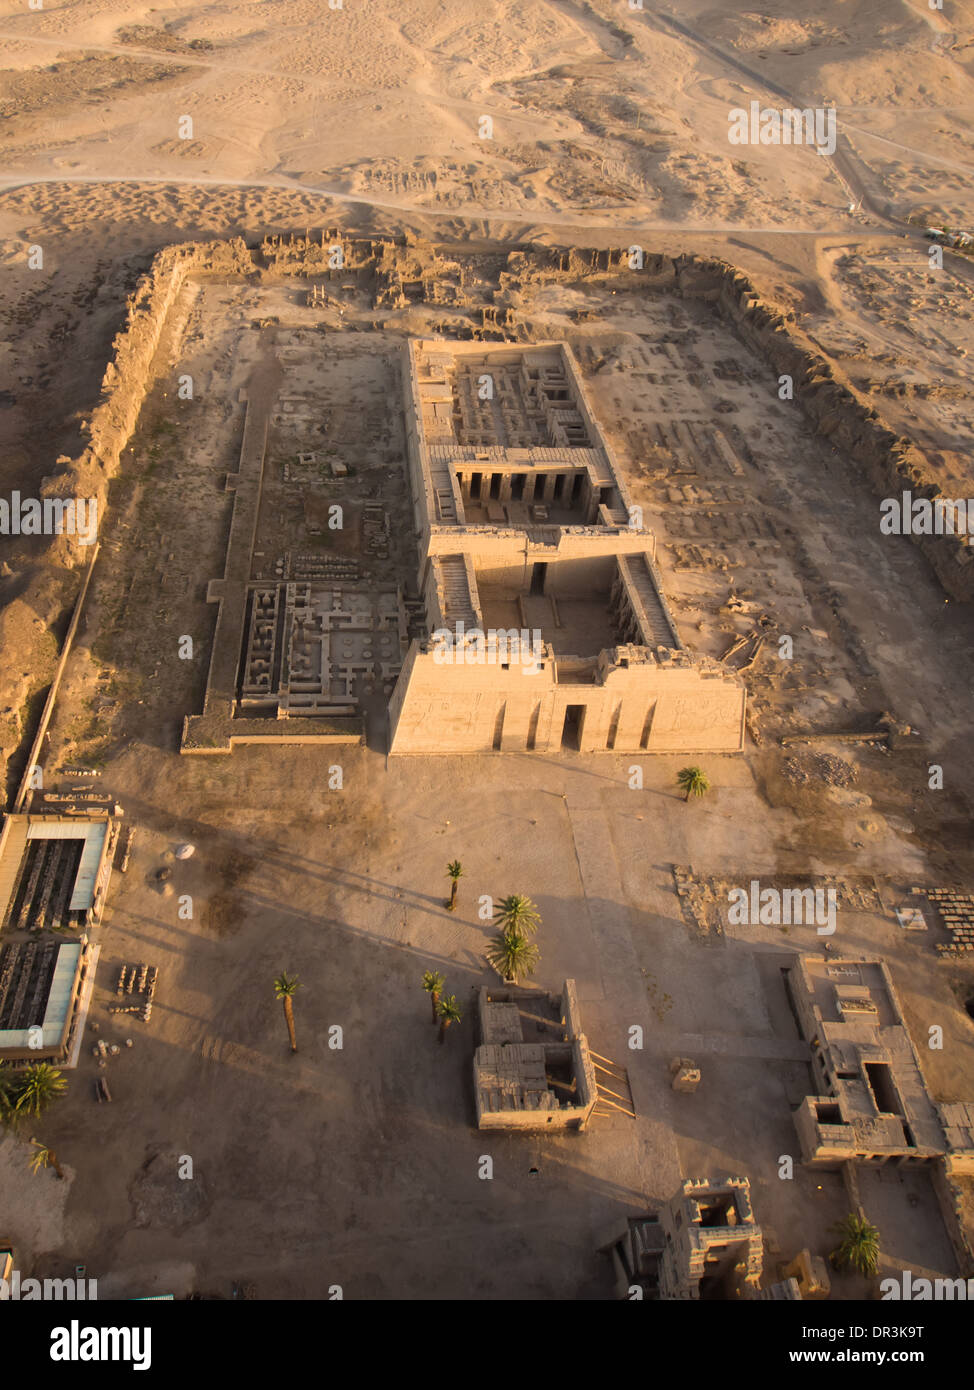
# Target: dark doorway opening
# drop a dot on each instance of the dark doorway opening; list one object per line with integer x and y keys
{"x": 558, "y": 491}
{"x": 571, "y": 734}
{"x": 475, "y": 481}
{"x": 538, "y": 577}
{"x": 499, "y": 729}
{"x": 880, "y": 1078}
{"x": 577, "y": 487}
{"x": 718, "y": 1284}
{"x": 517, "y": 486}
{"x": 495, "y": 486}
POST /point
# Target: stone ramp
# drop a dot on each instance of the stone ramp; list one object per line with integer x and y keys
{"x": 645, "y": 595}
{"x": 457, "y": 601}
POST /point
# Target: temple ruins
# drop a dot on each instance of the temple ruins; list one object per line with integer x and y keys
{"x": 549, "y": 628}
{"x": 532, "y": 1070}
{"x": 501, "y": 596}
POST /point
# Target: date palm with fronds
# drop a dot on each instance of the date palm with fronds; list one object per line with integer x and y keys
{"x": 513, "y": 956}
{"x": 43, "y": 1157}
{"x": 454, "y": 873}
{"x": 36, "y": 1087}
{"x": 285, "y": 987}
{"x": 692, "y": 781}
{"x": 8, "y": 1096}
{"x": 517, "y": 915}
{"x": 858, "y": 1246}
{"x": 433, "y": 983}
{"x": 450, "y": 1012}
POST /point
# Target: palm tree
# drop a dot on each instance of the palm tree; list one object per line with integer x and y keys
{"x": 44, "y": 1157}
{"x": 36, "y": 1087}
{"x": 433, "y": 983}
{"x": 512, "y": 955}
{"x": 8, "y": 1096}
{"x": 455, "y": 872}
{"x": 285, "y": 987}
{"x": 693, "y": 781}
{"x": 517, "y": 915}
{"x": 858, "y": 1246}
{"x": 450, "y": 1012}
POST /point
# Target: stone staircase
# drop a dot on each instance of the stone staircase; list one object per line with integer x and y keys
{"x": 457, "y": 601}
{"x": 649, "y": 605}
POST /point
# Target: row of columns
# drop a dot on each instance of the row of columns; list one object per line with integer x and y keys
{"x": 539, "y": 486}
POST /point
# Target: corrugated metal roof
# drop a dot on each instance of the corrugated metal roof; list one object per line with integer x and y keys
{"x": 94, "y": 838}
{"x": 58, "y": 1003}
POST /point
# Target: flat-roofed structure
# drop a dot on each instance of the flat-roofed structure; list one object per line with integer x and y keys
{"x": 54, "y": 870}
{"x": 527, "y": 532}
{"x": 42, "y": 984}
{"x": 54, "y": 876}
{"x": 874, "y": 1106}
{"x": 532, "y": 1070}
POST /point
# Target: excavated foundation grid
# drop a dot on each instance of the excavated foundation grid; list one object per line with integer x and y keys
{"x": 312, "y": 621}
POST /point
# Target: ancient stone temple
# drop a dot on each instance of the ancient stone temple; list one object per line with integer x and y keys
{"x": 547, "y": 623}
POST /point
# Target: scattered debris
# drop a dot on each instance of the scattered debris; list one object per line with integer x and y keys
{"x": 956, "y": 912}
{"x": 125, "y": 849}
{"x": 138, "y": 979}
{"x": 820, "y": 768}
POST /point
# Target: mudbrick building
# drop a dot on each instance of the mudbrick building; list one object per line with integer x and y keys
{"x": 547, "y": 623}
{"x": 532, "y": 1069}
{"x": 703, "y": 1244}
{"x": 873, "y": 1105}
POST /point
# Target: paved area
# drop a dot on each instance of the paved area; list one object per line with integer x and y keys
{"x": 359, "y": 1166}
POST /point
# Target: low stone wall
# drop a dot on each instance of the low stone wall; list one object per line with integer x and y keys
{"x": 950, "y": 1189}
{"x": 125, "y": 384}
{"x": 128, "y": 375}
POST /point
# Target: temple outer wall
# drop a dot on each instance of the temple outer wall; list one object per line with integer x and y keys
{"x": 422, "y": 492}
{"x": 594, "y": 428}
{"x": 946, "y": 1178}
{"x": 645, "y": 708}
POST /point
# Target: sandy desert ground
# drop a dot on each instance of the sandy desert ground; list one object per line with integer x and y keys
{"x": 608, "y": 127}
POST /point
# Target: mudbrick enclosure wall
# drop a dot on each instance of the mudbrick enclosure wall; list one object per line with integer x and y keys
{"x": 401, "y": 272}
